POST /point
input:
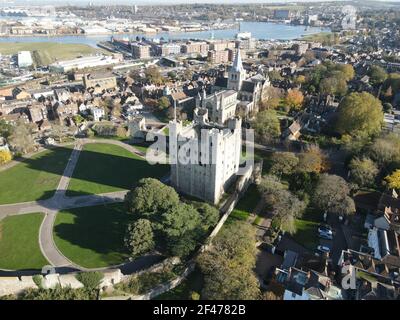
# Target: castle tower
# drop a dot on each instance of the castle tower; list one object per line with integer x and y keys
{"x": 236, "y": 73}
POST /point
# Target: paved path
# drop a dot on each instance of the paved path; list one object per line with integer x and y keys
{"x": 60, "y": 201}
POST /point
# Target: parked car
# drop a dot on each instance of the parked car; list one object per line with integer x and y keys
{"x": 323, "y": 249}
{"x": 325, "y": 235}
{"x": 323, "y": 228}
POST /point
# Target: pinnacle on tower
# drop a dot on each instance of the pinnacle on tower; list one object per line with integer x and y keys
{"x": 237, "y": 64}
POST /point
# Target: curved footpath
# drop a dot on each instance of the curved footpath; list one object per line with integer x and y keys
{"x": 60, "y": 201}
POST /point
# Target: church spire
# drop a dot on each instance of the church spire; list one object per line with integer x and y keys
{"x": 237, "y": 64}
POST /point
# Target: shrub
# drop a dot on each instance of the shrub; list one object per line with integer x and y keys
{"x": 37, "y": 279}
{"x": 90, "y": 280}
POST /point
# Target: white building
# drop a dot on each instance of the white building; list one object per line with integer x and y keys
{"x": 24, "y": 59}
{"x": 81, "y": 63}
{"x": 97, "y": 113}
{"x": 204, "y": 156}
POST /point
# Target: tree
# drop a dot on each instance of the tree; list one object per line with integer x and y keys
{"x": 139, "y": 237}
{"x": 294, "y": 99}
{"x": 266, "y": 126}
{"x": 333, "y": 86}
{"x": 5, "y": 156}
{"x": 172, "y": 75}
{"x": 228, "y": 265}
{"x": 58, "y": 131}
{"x": 387, "y": 107}
{"x": 332, "y": 195}
{"x": 151, "y": 197}
{"x": 359, "y": 114}
{"x": 286, "y": 208}
{"x": 283, "y": 163}
{"x": 163, "y": 103}
{"x": 6, "y": 129}
{"x": 178, "y": 220}
{"x": 269, "y": 184}
{"x": 153, "y": 75}
{"x": 393, "y": 179}
{"x": 312, "y": 160}
{"x": 78, "y": 119}
{"x": 347, "y": 71}
{"x": 209, "y": 215}
{"x": 275, "y": 75}
{"x": 386, "y": 149}
{"x": 300, "y": 79}
{"x": 363, "y": 171}
{"x": 377, "y": 75}
{"x": 21, "y": 139}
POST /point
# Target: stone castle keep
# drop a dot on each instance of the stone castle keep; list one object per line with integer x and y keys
{"x": 204, "y": 156}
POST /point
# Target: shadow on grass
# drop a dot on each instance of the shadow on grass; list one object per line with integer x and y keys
{"x": 100, "y": 229}
{"x": 102, "y": 169}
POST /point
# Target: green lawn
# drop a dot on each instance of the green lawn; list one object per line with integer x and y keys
{"x": 247, "y": 204}
{"x": 92, "y": 237}
{"x": 19, "y": 242}
{"x": 306, "y": 233}
{"x": 307, "y": 228}
{"x": 106, "y": 168}
{"x": 44, "y": 53}
{"x": 34, "y": 179}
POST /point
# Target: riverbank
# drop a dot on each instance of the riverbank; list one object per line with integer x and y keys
{"x": 259, "y": 30}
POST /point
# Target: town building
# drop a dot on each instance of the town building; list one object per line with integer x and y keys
{"x": 220, "y": 105}
{"x": 140, "y": 51}
{"x": 217, "y": 57}
{"x": 250, "y": 90}
{"x": 100, "y": 81}
{"x": 195, "y": 48}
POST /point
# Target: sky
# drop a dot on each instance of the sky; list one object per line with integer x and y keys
{"x": 141, "y": 2}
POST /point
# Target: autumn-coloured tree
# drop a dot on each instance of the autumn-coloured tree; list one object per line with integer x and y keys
{"x": 294, "y": 99}
{"x": 393, "y": 179}
{"x": 300, "y": 79}
{"x": 5, "y": 156}
{"x": 312, "y": 160}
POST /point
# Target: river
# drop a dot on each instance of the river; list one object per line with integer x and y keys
{"x": 259, "y": 30}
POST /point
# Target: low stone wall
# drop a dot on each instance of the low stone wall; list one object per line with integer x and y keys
{"x": 16, "y": 285}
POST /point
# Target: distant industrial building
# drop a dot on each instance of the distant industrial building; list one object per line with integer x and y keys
{"x": 282, "y": 14}
{"x": 84, "y": 62}
{"x": 24, "y": 59}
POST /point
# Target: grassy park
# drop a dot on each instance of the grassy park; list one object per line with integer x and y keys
{"x": 19, "y": 242}
{"x": 44, "y": 53}
{"x": 106, "y": 168}
{"x": 35, "y": 178}
{"x": 92, "y": 237}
